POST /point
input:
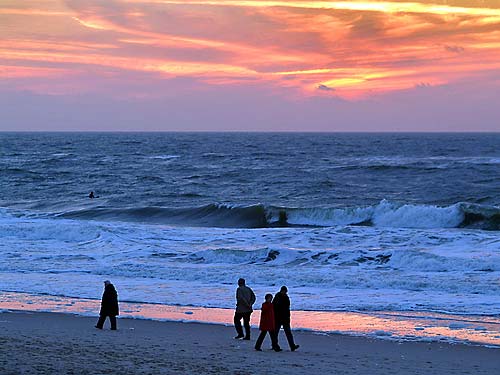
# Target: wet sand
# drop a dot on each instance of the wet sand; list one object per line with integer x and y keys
{"x": 397, "y": 325}
{"x": 49, "y": 343}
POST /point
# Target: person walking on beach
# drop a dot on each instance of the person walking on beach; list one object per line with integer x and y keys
{"x": 109, "y": 306}
{"x": 281, "y": 303}
{"x": 267, "y": 324}
{"x": 245, "y": 298}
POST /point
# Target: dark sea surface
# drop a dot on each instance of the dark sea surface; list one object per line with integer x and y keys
{"x": 172, "y": 177}
{"x": 348, "y": 221}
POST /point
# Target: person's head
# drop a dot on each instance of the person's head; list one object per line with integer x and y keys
{"x": 107, "y": 282}
{"x": 284, "y": 289}
{"x": 268, "y": 297}
{"x": 241, "y": 282}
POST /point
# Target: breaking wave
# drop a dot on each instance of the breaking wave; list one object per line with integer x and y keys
{"x": 388, "y": 214}
{"x": 212, "y": 215}
{"x": 384, "y": 214}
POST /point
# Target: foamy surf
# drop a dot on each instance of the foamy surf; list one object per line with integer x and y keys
{"x": 332, "y": 268}
{"x": 384, "y": 214}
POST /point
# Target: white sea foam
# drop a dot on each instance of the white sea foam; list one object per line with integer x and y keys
{"x": 385, "y": 214}
{"x": 164, "y": 157}
{"x": 411, "y": 216}
{"x": 336, "y": 268}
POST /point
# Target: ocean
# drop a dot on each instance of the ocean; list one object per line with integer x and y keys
{"x": 349, "y": 222}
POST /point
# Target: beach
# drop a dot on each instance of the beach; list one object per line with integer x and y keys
{"x": 49, "y": 343}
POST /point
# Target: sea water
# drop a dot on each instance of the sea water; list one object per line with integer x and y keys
{"x": 349, "y": 222}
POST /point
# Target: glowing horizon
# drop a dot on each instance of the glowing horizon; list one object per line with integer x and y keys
{"x": 295, "y": 50}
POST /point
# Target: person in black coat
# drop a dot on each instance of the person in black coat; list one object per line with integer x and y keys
{"x": 281, "y": 303}
{"x": 109, "y": 306}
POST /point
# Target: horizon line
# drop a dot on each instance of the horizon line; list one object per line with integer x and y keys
{"x": 258, "y": 131}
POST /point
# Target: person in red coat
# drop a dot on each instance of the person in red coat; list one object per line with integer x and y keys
{"x": 267, "y": 324}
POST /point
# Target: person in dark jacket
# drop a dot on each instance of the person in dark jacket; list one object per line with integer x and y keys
{"x": 245, "y": 298}
{"x": 267, "y": 324}
{"x": 281, "y": 303}
{"x": 109, "y": 306}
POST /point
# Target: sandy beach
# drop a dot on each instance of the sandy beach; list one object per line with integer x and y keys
{"x": 49, "y": 343}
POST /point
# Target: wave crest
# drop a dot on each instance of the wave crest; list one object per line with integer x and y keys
{"x": 384, "y": 214}
{"x": 388, "y": 214}
{"x": 212, "y": 215}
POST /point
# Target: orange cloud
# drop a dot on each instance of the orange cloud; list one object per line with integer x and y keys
{"x": 351, "y": 49}
{"x": 12, "y": 71}
{"x": 372, "y": 6}
{"x": 32, "y": 12}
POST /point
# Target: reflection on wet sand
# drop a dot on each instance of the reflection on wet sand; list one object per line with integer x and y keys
{"x": 420, "y": 326}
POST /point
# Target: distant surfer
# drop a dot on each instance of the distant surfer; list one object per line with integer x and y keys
{"x": 91, "y": 195}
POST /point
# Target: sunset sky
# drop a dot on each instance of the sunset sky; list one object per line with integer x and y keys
{"x": 393, "y": 65}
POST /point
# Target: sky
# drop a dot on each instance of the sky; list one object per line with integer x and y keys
{"x": 230, "y": 65}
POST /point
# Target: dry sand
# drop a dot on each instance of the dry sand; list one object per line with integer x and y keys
{"x": 48, "y": 343}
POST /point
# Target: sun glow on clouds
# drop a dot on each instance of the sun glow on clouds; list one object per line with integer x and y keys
{"x": 92, "y": 24}
{"x": 349, "y": 49}
{"x": 374, "y": 6}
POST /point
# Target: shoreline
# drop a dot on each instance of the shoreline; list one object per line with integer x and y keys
{"x": 40, "y": 343}
{"x": 383, "y": 325}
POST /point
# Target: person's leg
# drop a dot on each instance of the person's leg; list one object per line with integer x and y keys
{"x": 237, "y": 325}
{"x": 100, "y": 322}
{"x": 277, "y": 327}
{"x": 260, "y": 340}
{"x": 289, "y": 336}
{"x": 246, "y": 323}
{"x": 112, "y": 320}
{"x": 274, "y": 341}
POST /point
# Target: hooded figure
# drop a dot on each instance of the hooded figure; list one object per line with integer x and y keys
{"x": 109, "y": 306}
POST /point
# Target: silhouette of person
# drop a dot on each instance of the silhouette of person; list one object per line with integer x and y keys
{"x": 109, "y": 306}
{"x": 91, "y": 195}
{"x": 267, "y": 324}
{"x": 281, "y": 303}
{"x": 245, "y": 298}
